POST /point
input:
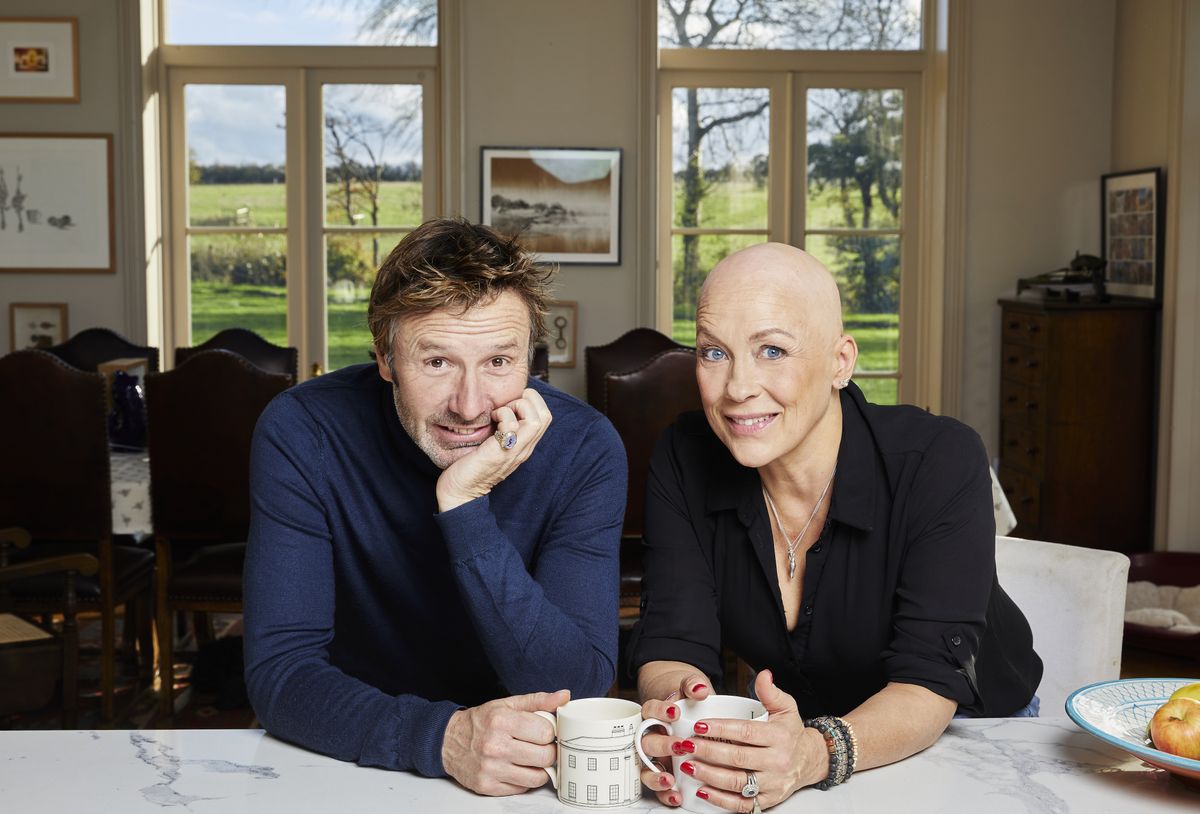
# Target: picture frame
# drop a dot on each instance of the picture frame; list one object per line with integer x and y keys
{"x": 36, "y": 324}
{"x": 562, "y": 331}
{"x": 39, "y": 59}
{"x": 56, "y": 203}
{"x": 1132, "y": 228}
{"x": 563, "y": 203}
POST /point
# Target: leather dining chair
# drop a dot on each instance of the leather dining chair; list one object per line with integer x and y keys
{"x": 56, "y": 484}
{"x": 259, "y": 352}
{"x": 90, "y": 347}
{"x": 631, "y": 349}
{"x": 27, "y": 684}
{"x": 200, "y": 419}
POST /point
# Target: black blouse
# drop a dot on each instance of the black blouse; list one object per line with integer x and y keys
{"x": 901, "y": 586}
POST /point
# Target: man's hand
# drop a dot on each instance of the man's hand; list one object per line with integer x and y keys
{"x": 476, "y": 474}
{"x": 501, "y": 747}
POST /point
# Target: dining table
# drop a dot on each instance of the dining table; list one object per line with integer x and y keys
{"x": 979, "y": 766}
{"x": 129, "y": 481}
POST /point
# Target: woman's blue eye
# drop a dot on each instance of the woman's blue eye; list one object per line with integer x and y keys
{"x": 712, "y": 354}
{"x": 772, "y": 352}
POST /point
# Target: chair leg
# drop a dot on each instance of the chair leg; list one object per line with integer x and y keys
{"x": 108, "y": 657}
{"x": 70, "y": 679}
{"x": 145, "y": 632}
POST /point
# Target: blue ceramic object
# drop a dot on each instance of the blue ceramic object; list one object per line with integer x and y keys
{"x": 127, "y": 421}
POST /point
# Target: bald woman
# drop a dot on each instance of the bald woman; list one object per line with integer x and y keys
{"x": 844, "y": 550}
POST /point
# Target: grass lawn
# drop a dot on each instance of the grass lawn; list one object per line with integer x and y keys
{"x": 265, "y": 205}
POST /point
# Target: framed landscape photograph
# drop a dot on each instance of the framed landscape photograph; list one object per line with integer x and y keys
{"x": 1132, "y": 226}
{"x": 561, "y": 332}
{"x": 56, "y": 203}
{"x": 36, "y": 324}
{"x": 40, "y": 59}
{"x": 564, "y": 204}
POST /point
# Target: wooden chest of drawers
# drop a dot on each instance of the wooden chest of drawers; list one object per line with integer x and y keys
{"x": 1077, "y": 421}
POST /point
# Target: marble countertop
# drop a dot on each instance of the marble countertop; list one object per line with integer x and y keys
{"x": 1019, "y": 765}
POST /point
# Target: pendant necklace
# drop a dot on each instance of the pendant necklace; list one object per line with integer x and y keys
{"x": 793, "y": 543}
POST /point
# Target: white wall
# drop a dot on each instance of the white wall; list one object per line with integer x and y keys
{"x": 1038, "y": 140}
{"x": 561, "y": 74}
{"x": 92, "y": 299}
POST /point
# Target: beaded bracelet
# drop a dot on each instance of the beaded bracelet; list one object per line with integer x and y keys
{"x": 842, "y": 744}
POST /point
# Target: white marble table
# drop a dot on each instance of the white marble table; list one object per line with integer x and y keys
{"x": 130, "y": 479}
{"x": 1024, "y": 766}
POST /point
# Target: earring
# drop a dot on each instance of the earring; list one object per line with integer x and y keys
{"x": 841, "y": 384}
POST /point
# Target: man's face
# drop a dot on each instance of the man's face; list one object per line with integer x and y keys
{"x": 450, "y": 370}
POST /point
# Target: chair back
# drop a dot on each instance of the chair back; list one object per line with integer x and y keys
{"x": 631, "y": 349}
{"x": 199, "y": 419}
{"x": 88, "y": 348}
{"x": 1074, "y": 600}
{"x": 539, "y": 365}
{"x": 258, "y": 351}
{"x": 641, "y": 403}
{"x": 54, "y": 445}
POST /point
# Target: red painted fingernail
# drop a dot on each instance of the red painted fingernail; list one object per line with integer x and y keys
{"x": 664, "y": 780}
{"x": 698, "y": 688}
{"x": 687, "y": 767}
{"x": 687, "y": 746}
{"x": 700, "y": 728}
{"x": 702, "y": 794}
{"x": 672, "y": 712}
{"x": 677, "y": 748}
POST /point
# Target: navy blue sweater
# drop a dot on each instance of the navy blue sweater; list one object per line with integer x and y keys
{"x": 370, "y": 617}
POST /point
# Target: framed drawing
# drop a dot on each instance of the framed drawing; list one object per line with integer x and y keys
{"x": 564, "y": 204}
{"x": 37, "y": 324}
{"x": 1132, "y": 226}
{"x": 561, "y": 332}
{"x": 40, "y": 59}
{"x": 56, "y": 203}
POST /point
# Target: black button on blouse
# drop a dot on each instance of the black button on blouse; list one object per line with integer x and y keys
{"x": 904, "y": 588}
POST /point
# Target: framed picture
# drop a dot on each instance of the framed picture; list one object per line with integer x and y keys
{"x": 40, "y": 59}
{"x": 37, "y": 324}
{"x": 560, "y": 332}
{"x": 1132, "y": 226}
{"x": 56, "y": 203}
{"x": 564, "y": 204}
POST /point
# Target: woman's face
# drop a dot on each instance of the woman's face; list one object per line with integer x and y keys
{"x": 767, "y": 363}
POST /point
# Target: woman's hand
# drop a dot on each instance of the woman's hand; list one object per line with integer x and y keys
{"x": 782, "y": 753}
{"x": 659, "y": 746}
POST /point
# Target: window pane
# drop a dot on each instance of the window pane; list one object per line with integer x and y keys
{"x": 868, "y": 274}
{"x": 351, "y": 261}
{"x": 719, "y": 157}
{"x": 373, "y": 161}
{"x": 854, "y": 154}
{"x": 239, "y": 281}
{"x": 301, "y": 22}
{"x": 692, "y": 257}
{"x": 880, "y": 391}
{"x": 867, "y": 25}
{"x": 236, "y": 155}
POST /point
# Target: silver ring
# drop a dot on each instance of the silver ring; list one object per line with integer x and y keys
{"x": 506, "y": 440}
{"x": 751, "y": 787}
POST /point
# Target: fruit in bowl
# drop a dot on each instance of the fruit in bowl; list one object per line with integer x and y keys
{"x": 1175, "y": 727}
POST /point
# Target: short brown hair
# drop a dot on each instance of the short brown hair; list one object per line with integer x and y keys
{"x": 453, "y": 263}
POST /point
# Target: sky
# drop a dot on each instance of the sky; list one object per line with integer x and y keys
{"x": 265, "y": 22}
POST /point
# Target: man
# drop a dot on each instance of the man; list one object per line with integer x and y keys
{"x": 434, "y": 538}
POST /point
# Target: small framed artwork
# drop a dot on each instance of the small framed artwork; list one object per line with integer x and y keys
{"x": 56, "y": 203}
{"x": 37, "y": 324}
{"x": 1132, "y": 226}
{"x": 40, "y": 59}
{"x": 561, "y": 332}
{"x": 563, "y": 204}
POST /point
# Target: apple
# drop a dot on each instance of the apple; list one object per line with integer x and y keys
{"x": 1175, "y": 728}
{"x": 1191, "y": 691}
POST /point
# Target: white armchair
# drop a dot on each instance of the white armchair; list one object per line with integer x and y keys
{"x": 1074, "y": 599}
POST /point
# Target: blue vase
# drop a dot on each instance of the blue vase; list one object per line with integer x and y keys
{"x": 127, "y": 421}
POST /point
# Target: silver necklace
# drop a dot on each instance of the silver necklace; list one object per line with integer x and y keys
{"x": 793, "y": 543}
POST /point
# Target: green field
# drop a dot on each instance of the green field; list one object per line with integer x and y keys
{"x": 265, "y": 205}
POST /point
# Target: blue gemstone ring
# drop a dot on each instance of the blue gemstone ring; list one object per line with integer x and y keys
{"x": 506, "y": 440}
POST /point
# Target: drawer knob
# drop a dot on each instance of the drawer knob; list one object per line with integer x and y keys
{"x": 1012, "y": 360}
{"x": 1032, "y": 363}
{"x": 1014, "y": 326}
{"x": 1031, "y": 451}
{"x": 1012, "y": 399}
{"x": 1034, "y": 327}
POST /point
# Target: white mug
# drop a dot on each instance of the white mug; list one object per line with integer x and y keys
{"x": 690, "y": 711}
{"x": 597, "y": 765}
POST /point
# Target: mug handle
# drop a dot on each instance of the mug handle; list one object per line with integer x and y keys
{"x": 637, "y": 742}
{"x": 553, "y": 719}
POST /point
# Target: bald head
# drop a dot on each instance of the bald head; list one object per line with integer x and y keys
{"x": 781, "y": 273}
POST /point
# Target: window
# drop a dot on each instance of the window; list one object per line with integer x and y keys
{"x": 593, "y": 794}
{"x": 774, "y": 135}
{"x": 294, "y": 171}
{"x": 614, "y": 792}
{"x": 571, "y": 790}
{"x": 571, "y": 761}
{"x": 614, "y": 764}
{"x": 591, "y": 764}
